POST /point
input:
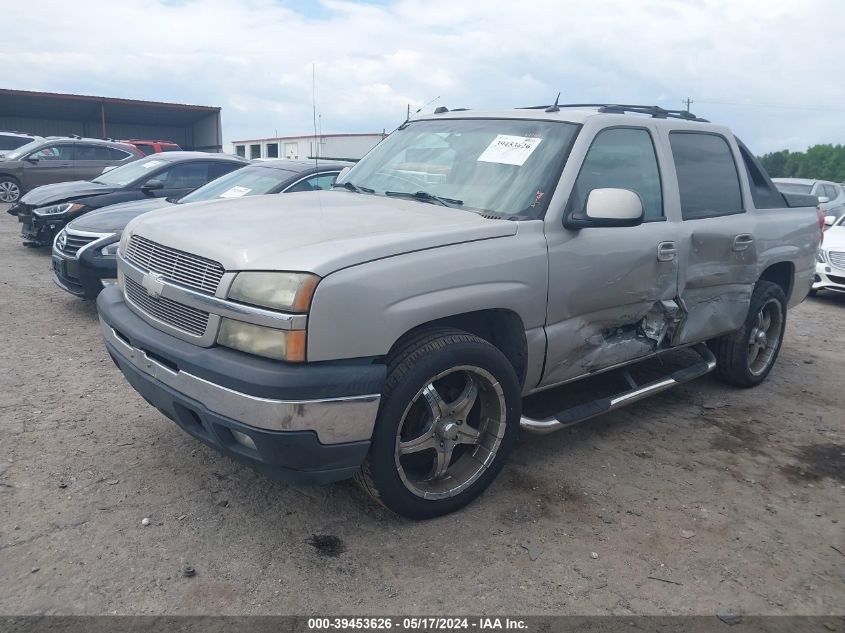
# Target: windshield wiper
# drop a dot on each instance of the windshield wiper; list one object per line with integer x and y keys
{"x": 355, "y": 188}
{"x": 426, "y": 197}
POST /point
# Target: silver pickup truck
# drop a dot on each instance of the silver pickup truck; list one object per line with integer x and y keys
{"x": 397, "y": 328}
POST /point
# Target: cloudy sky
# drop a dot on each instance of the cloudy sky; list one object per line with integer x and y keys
{"x": 771, "y": 69}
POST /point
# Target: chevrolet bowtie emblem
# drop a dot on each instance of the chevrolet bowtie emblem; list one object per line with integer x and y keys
{"x": 153, "y": 283}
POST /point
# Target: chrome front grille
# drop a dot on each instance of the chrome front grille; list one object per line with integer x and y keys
{"x": 176, "y": 266}
{"x": 837, "y": 258}
{"x": 74, "y": 242}
{"x": 174, "y": 314}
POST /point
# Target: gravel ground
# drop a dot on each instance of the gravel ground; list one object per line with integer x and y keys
{"x": 702, "y": 498}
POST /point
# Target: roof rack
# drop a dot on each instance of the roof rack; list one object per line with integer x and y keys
{"x": 618, "y": 108}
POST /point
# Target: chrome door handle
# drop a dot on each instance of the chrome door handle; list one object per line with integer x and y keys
{"x": 743, "y": 241}
{"x": 666, "y": 251}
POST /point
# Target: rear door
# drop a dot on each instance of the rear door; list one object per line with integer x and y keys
{"x": 717, "y": 245}
{"x": 92, "y": 159}
{"x": 49, "y": 164}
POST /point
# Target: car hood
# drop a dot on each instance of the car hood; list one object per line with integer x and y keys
{"x": 115, "y": 217}
{"x": 834, "y": 238}
{"x": 61, "y": 191}
{"x": 318, "y": 232}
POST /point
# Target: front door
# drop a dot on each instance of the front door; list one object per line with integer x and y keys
{"x": 612, "y": 289}
{"x": 52, "y": 163}
{"x": 718, "y": 251}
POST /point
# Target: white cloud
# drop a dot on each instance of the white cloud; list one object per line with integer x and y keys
{"x": 255, "y": 58}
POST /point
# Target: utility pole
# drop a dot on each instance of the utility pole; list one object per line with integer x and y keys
{"x": 687, "y": 102}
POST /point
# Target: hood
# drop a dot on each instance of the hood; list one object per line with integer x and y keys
{"x": 834, "y": 238}
{"x": 318, "y": 232}
{"x": 62, "y": 191}
{"x": 115, "y": 217}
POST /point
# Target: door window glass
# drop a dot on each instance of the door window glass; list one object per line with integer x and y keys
{"x": 184, "y": 176}
{"x": 707, "y": 176}
{"x": 54, "y": 152}
{"x": 92, "y": 152}
{"x": 314, "y": 183}
{"x": 621, "y": 158}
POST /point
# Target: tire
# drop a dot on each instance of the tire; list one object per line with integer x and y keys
{"x": 448, "y": 419}
{"x": 10, "y": 190}
{"x": 744, "y": 361}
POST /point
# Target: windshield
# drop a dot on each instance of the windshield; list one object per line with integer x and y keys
{"x": 247, "y": 181}
{"x": 786, "y": 187}
{"x": 504, "y": 167}
{"x": 126, "y": 174}
{"x": 23, "y": 150}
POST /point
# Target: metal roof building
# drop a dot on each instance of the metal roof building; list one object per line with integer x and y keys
{"x": 193, "y": 127}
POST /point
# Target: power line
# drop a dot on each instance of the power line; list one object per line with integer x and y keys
{"x": 786, "y": 106}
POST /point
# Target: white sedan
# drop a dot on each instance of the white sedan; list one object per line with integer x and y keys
{"x": 830, "y": 261}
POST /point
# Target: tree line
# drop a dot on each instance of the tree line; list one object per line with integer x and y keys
{"x": 821, "y": 162}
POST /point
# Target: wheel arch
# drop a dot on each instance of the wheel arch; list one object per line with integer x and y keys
{"x": 782, "y": 274}
{"x": 502, "y": 328}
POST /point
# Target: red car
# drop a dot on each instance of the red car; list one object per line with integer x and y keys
{"x": 154, "y": 147}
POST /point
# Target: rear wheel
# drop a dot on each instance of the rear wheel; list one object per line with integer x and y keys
{"x": 448, "y": 420}
{"x": 10, "y": 190}
{"x": 745, "y": 357}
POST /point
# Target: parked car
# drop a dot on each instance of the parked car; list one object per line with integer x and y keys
{"x": 13, "y": 140}
{"x": 45, "y": 210}
{"x": 830, "y": 266}
{"x": 393, "y": 329}
{"x": 51, "y": 160}
{"x": 84, "y": 251}
{"x": 154, "y": 147}
{"x": 830, "y": 195}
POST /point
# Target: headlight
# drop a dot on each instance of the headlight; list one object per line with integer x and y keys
{"x": 110, "y": 249}
{"x": 820, "y": 256}
{"x": 291, "y": 292}
{"x": 58, "y": 209}
{"x": 263, "y": 341}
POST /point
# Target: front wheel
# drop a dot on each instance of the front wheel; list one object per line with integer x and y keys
{"x": 10, "y": 190}
{"x": 745, "y": 357}
{"x": 447, "y": 423}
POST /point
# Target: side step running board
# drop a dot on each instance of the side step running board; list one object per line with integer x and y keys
{"x": 574, "y": 415}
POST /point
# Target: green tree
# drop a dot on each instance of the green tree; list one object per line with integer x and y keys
{"x": 821, "y": 162}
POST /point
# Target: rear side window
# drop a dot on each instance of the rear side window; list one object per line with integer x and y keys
{"x": 830, "y": 191}
{"x": 215, "y": 170}
{"x": 118, "y": 154}
{"x": 92, "y": 152}
{"x": 185, "y": 176}
{"x": 621, "y": 158}
{"x": 707, "y": 176}
{"x": 13, "y": 142}
{"x": 763, "y": 192}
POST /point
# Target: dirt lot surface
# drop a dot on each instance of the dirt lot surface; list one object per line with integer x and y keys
{"x": 702, "y": 498}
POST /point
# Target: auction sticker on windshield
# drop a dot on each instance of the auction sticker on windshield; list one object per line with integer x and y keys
{"x": 235, "y": 192}
{"x": 509, "y": 150}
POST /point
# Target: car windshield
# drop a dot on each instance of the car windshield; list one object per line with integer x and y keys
{"x": 126, "y": 174}
{"x": 505, "y": 167}
{"x": 23, "y": 150}
{"x": 790, "y": 187}
{"x": 248, "y": 181}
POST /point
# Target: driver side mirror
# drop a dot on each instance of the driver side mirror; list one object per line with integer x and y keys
{"x": 823, "y": 199}
{"x": 829, "y": 220}
{"x": 608, "y": 207}
{"x": 152, "y": 185}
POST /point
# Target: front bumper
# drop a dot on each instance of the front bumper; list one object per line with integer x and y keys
{"x": 829, "y": 278}
{"x": 86, "y": 275}
{"x": 37, "y": 230}
{"x": 307, "y": 423}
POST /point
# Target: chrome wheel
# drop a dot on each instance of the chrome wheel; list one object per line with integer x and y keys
{"x": 764, "y": 338}
{"x": 9, "y": 191}
{"x": 450, "y": 432}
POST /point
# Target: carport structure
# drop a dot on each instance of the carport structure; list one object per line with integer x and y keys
{"x": 193, "y": 127}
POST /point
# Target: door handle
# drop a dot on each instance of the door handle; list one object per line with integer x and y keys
{"x": 666, "y": 251}
{"x": 743, "y": 241}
